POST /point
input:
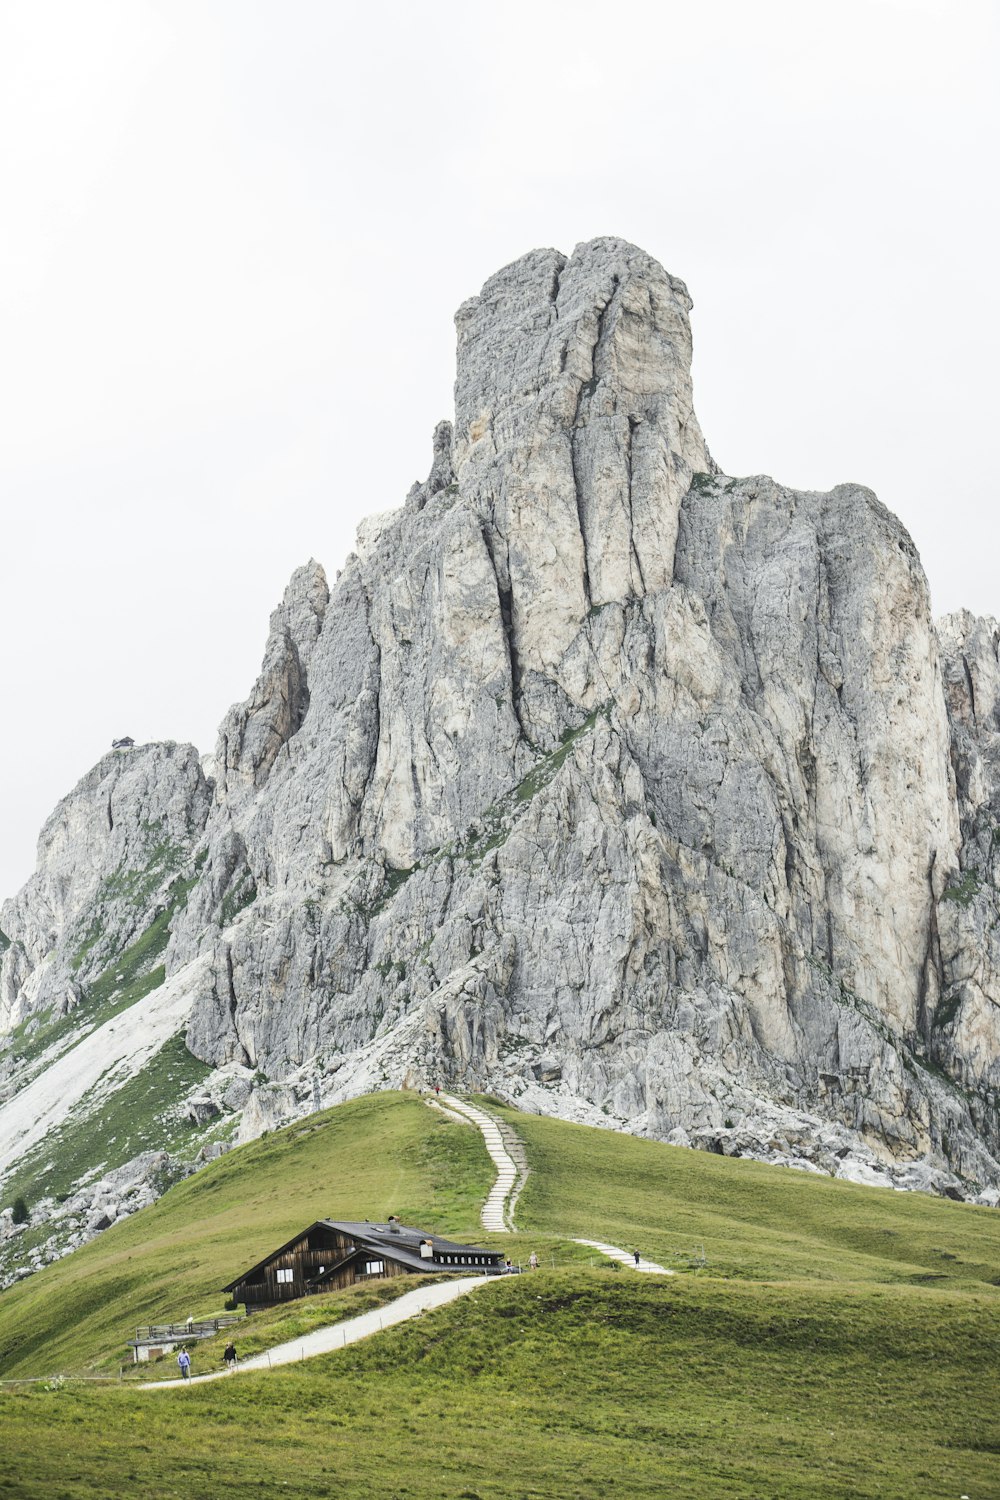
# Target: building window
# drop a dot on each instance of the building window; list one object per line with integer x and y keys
{"x": 374, "y": 1267}
{"x": 285, "y": 1273}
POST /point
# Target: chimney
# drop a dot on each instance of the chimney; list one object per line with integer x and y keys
{"x": 393, "y": 1224}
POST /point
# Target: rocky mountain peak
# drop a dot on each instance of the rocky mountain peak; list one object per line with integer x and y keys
{"x": 575, "y": 438}
{"x": 253, "y": 733}
{"x": 600, "y": 779}
{"x": 106, "y": 856}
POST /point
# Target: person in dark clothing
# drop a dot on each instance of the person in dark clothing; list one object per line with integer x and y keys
{"x": 636, "y": 1254}
{"x": 229, "y": 1355}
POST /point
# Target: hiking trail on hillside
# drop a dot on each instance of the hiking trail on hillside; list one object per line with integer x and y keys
{"x": 498, "y": 1211}
{"x": 339, "y": 1335}
{"x": 508, "y": 1156}
{"x": 503, "y": 1147}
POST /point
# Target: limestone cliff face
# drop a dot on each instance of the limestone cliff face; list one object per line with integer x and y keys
{"x": 610, "y": 783}
{"x": 964, "y": 1034}
{"x": 107, "y": 858}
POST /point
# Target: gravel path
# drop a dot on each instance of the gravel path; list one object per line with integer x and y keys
{"x": 339, "y": 1335}
{"x": 627, "y": 1258}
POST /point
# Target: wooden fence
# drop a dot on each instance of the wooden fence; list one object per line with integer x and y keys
{"x": 156, "y": 1333}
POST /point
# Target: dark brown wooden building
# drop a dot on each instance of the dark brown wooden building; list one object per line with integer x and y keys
{"x": 331, "y": 1254}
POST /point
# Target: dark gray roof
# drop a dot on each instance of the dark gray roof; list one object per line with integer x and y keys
{"x": 402, "y": 1236}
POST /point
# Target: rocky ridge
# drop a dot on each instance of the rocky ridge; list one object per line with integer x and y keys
{"x": 599, "y": 780}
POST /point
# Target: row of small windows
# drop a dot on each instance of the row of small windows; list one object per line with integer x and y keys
{"x": 285, "y": 1274}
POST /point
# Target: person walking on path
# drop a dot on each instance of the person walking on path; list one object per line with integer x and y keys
{"x": 229, "y": 1355}
{"x": 184, "y": 1360}
{"x": 533, "y": 1261}
{"x": 636, "y": 1254}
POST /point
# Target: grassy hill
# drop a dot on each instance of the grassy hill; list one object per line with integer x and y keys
{"x": 765, "y": 1223}
{"x": 841, "y": 1341}
{"x": 375, "y": 1156}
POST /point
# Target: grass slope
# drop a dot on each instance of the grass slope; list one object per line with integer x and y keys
{"x": 110, "y": 1126}
{"x": 384, "y": 1154}
{"x": 114, "y": 1121}
{"x": 814, "y": 1359}
{"x": 571, "y": 1383}
{"x": 754, "y": 1221}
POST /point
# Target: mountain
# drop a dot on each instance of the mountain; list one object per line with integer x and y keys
{"x": 629, "y": 791}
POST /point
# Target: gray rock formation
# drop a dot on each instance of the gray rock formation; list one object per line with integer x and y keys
{"x": 108, "y": 858}
{"x": 600, "y": 780}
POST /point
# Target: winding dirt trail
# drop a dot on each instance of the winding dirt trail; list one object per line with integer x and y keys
{"x": 497, "y": 1216}
{"x": 497, "y": 1212}
{"x": 337, "y": 1335}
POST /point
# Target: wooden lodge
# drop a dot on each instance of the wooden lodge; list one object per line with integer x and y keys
{"x": 332, "y": 1254}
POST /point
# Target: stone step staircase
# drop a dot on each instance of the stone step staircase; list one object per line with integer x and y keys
{"x": 498, "y": 1210}
{"x": 497, "y": 1214}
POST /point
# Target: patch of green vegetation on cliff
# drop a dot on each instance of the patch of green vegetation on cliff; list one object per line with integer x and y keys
{"x": 242, "y": 895}
{"x": 395, "y": 879}
{"x": 492, "y": 829}
{"x": 947, "y": 1008}
{"x": 103, "y": 1132}
{"x": 39, "y": 1035}
{"x": 135, "y": 888}
{"x": 964, "y": 893}
{"x": 497, "y": 821}
{"x": 130, "y": 977}
{"x": 109, "y": 1127}
{"x": 541, "y": 774}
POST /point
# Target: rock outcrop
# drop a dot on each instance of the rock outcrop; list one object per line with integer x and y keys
{"x": 107, "y": 859}
{"x": 599, "y": 780}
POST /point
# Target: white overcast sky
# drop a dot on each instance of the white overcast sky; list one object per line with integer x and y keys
{"x": 233, "y": 237}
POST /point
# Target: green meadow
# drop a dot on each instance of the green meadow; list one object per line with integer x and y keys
{"x": 839, "y": 1341}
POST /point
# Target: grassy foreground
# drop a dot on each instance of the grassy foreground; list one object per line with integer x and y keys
{"x": 569, "y": 1383}
{"x": 841, "y": 1342}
